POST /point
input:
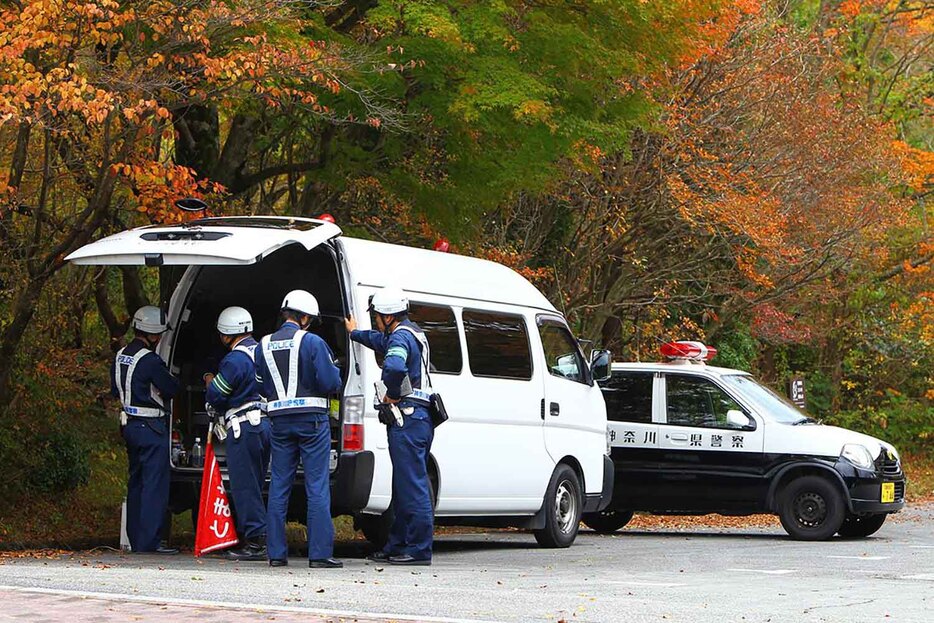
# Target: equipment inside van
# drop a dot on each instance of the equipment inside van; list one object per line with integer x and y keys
{"x": 525, "y": 444}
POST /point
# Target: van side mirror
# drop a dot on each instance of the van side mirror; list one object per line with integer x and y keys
{"x": 600, "y": 361}
{"x": 738, "y": 419}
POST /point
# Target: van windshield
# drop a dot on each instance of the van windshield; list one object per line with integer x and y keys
{"x": 768, "y": 402}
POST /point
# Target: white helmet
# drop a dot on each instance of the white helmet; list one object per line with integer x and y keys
{"x": 302, "y": 302}
{"x": 389, "y": 300}
{"x": 234, "y": 321}
{"x": 150, "y": 319}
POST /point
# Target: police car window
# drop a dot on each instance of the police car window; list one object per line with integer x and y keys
{"x": 696, "y": 401}
{"x": 497, "y": 345}
{"x": 440, "y": 327}
{"x": 562, "y": 354}
{"x": 629, "y": 397}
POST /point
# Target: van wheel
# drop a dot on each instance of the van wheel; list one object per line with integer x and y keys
{"x": 562, "y": 509}
{"x": 812, "y": 509}
{"x": 858, "y": 526}
{"x": 375, "y": 528}
{"x": 607, "y": 521}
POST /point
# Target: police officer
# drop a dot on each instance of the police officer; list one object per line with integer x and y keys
{"x": 142, "y": 382}
{"x": 296, "y": 372}
{"x": 405, "y": 349}
{"x": 233, "y": 392}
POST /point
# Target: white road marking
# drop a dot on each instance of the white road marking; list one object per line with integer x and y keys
{"x": 638, "y": 583}
{"x": 919, "y": 576}
{"x": 238, "y": 605}
{"x": 861, "y": 557}
{"x": 766, "y": 571}
{"x": 922, "y": 547}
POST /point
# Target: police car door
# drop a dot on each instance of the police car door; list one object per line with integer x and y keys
{"x": 712, "y": 445}
{"x": 633, "y": 410}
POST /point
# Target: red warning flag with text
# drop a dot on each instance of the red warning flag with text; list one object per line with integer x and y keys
{"x": 215, "y": 524}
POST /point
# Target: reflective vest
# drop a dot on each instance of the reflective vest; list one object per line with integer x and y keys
{"x": 287, "y": 397}
{"x": 125, "y": 388}
{"x": 424, "y": 393}
{"x": 255, "y": 405}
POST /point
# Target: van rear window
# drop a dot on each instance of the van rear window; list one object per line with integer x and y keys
{"x": 497, "y": 345}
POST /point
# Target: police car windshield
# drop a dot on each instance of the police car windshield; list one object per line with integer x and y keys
{"x": 771, "y": 404}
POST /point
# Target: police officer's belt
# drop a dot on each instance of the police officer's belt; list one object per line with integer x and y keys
{"x": 312, "y": 402}
{"x": 143, "y": 412}
{"x": 240, "y": 419}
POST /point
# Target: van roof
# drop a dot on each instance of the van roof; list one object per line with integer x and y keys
{"x": 425, "y": 271}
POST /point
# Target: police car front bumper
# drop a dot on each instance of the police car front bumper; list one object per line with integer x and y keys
{"x": 872, "y": 491}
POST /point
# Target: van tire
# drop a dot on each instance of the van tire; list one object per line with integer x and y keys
{"x": 562, "y": 507}
{"x": 812, "y": 509}
{"x": 608, "y": 521}
{"x": 859, "y": 526}
{"x": 375, "y": 528}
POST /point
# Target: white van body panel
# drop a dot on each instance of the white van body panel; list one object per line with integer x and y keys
{"x": 492, "y": 454}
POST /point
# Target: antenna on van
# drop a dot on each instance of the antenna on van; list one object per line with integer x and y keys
{"x": 191, "y": 204}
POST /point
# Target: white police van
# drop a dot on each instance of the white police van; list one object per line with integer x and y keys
{"x": 526, "y": 441}
{"x": 688, "y": 438}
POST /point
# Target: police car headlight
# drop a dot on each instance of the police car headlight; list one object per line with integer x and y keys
{"x": 858, "y": 455}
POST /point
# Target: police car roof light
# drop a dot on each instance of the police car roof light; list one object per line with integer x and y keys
{"x": 692, "y": 351}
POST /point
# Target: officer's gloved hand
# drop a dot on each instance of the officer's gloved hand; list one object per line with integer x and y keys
{"x": 386, "y": 416}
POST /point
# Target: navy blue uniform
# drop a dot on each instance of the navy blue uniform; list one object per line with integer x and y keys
{"x": 142, "y": 382}
{"x": 409, "y": 445}
{"x": 296, "y": 388}
{"x": 234, "y": 393}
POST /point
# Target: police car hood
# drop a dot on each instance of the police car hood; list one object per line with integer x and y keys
{"x": 829, "y": 440}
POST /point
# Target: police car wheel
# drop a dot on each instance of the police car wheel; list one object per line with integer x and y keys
{"x": 562, "y": 509}
{"x": 607, "y": 521}
{"x": 812, "y": 509}
{"x": 858, "y": 526}
{"x": 375, "y": 528}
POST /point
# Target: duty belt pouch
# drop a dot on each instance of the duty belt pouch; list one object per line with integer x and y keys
{"x": 437, "y": 411}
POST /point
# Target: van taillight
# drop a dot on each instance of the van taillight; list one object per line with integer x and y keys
{"x": 352, "y": 437}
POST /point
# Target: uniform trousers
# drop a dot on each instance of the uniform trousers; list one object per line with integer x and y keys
{"x": 147, "y": 500}
{"x": 247, "y": 464}
{"x": 307, "y": 436}
{"x": 412, "y": 528}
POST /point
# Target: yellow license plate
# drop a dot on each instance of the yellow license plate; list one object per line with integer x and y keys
{"x": 888, "y": 492}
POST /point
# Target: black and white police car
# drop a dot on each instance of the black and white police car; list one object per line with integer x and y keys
{"x": 689, "y": 438}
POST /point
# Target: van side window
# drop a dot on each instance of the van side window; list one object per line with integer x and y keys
{"x": 628, "y": 397}
{"x": 696, "y": 401}
{"x": 562, "y": 353}
{"x": 497, "y": 345}
{"x": 440, "y": 327}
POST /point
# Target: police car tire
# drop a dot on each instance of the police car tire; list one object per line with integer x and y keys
{"x": 558, "y": 533}
{"x": 608, "y": 521}
{"x": 859, "y": 526}
{"x": 375, "y": 528}
{"x": 812, "y": 509}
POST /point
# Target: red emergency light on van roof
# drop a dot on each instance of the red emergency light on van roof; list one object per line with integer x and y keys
{"x": 694, "y": 351}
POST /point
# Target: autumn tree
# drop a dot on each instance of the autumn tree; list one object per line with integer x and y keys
{"x": 97, "y": 100}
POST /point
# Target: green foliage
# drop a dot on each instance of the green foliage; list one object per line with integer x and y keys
{"x": 908, "y": 425}
{"x": 60, "y": 463}
{"x": 737, "y": 348}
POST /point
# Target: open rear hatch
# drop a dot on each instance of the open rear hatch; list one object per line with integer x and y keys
{"x": 246, "y": 261}
{"x": 234, "y": 240}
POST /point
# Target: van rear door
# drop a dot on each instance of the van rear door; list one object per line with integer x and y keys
{"x": 232, "y": 241}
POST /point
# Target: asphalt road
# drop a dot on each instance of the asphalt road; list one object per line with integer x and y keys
{"x": 735, "y": 574}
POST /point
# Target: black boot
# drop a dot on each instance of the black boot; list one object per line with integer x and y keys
{"x": 251, "y": 550}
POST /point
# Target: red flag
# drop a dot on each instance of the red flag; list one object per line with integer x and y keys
{"x": 215, "y": 525}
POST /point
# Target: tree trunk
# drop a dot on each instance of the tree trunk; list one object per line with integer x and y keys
{"x": 198, "y": 144}
{"x": 23, "y": 310}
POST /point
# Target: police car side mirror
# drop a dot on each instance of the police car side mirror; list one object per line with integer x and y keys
{"x": 738, "y": 419}
{"x": 600, "y": 365}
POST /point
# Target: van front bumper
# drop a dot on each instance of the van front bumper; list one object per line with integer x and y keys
{"x": 596, "y": 502}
